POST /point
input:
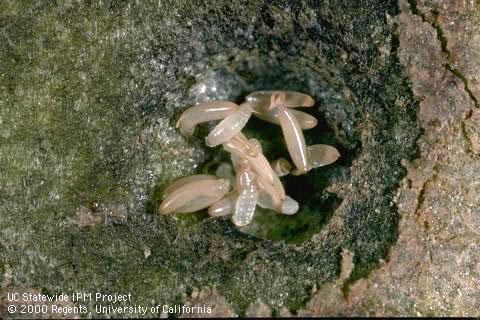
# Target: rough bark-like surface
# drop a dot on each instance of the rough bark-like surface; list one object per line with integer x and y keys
{"x": 89, "y": 95}
{"x": 434, "y": 269}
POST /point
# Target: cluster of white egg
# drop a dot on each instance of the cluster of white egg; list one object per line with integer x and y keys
{"x": 256, "y": 180}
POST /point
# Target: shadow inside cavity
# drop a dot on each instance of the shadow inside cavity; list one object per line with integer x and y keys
{"x": 317, "y": 203}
